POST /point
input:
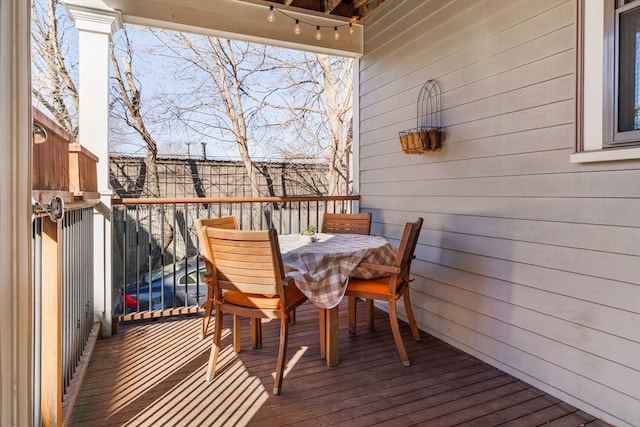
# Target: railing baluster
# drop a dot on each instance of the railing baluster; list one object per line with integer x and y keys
{"x": 173, "y": 293}
{"x": 66, "y": 309}
{"x": 125, "y": 241}
{"x": 137, "y": 259}
{"x": 150, "y": 252}
{"x": 63, "y": 273}
{"x": 185, "y": 233}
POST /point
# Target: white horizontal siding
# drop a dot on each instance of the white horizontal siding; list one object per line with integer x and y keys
{"x": 383, "y": 152}
{"x": 579, "y": 210}
{"x": 523, "y": 328}
{"x": 525, "y": 259}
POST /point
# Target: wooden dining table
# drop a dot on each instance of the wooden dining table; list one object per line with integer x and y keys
{"x": 322, "y": 268}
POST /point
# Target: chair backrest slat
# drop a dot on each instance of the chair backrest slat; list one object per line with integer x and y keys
{"x": 346, "y": 223}
{"x": 226, "y": 222}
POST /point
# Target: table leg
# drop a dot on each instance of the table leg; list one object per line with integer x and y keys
{"x": 322, "y": 327}
{"x": 331, "y": 337}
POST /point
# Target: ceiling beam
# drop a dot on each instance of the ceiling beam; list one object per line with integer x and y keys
{"x": 329, "y": 5}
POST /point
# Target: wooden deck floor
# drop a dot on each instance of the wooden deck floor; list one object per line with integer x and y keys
{"x": 152, "y": 374}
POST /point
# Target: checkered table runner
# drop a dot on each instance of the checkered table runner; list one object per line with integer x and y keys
{"x": 321, "y": 269}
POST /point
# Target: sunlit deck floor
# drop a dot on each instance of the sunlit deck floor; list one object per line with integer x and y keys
{"x": 152, "y": 374}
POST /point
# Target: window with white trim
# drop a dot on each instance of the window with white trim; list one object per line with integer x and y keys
{"x": 609, "y": 81}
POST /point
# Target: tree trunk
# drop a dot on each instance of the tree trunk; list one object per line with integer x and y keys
{"x": 131, "y": 101}
{"x": 340, "y": 142}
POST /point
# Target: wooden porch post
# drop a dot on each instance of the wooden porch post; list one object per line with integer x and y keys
{"x": 51, "y": 330}
{"x": 16, "y": 279}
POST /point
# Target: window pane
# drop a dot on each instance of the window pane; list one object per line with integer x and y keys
{"x": 629, "y": 71}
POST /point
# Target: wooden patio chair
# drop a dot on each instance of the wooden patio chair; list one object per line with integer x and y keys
{"x": 248, "y": 280}
{"x": 335, "y": 223}
{"x": 390, "y": 288}
{"x": 227, "y": 223}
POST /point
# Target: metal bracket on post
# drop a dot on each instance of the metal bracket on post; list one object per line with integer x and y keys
{"x": 55, "y": 208}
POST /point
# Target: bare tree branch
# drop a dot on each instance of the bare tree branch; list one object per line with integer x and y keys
{"x": 53, "y": 86}
{"x": 129, "y": 98}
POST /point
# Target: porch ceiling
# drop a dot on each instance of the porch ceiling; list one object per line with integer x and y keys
{"x": 247, "y": 20}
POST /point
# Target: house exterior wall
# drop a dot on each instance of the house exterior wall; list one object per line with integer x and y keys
{"x": 525, "y": 260}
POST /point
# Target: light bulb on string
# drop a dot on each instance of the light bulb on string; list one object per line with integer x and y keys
{"x": 318, "y": 33}
{"x": 296, "y": 29}
{"x": 272, "y": 14}
{"x": 336, "y": 34}
{"x": 350, "y": 28}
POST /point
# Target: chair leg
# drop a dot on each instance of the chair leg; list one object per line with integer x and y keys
{"x": 395, "y": 328}
{"x": 282, "y": 354}
{"x": 215, "y": 347}
{"x": 208, "y": 308}
{"x": 410, "y": 317}
{"x": 370, "y": 315}
{"x": 256, "y": 332}
{"x": 352, "y": 314}
{"x": 237, "y": 334}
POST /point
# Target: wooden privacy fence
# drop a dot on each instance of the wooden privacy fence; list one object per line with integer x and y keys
{"x": 191, "y": 177}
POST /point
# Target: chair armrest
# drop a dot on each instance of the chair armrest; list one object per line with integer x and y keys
{"x": 379, "y": 267}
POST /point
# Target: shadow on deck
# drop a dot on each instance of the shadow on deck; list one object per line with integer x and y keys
{"x": 152, "y": 373}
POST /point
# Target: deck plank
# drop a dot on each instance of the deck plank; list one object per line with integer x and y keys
{"x": 152, "y": 373}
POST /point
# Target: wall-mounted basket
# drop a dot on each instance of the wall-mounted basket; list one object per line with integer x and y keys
{"x": 427, "y": 135}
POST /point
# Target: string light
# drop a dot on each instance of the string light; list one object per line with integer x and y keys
{"x": 271, "y": 17}
{"x": 272, "y": 14}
